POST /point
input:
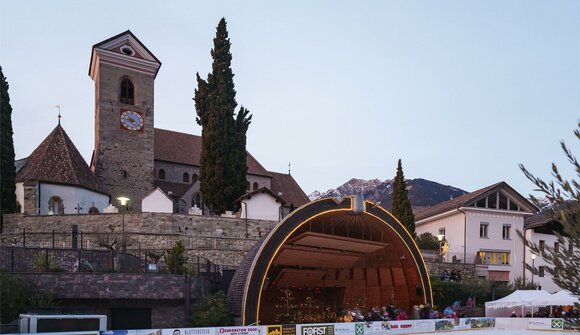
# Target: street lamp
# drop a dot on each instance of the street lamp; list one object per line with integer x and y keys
{"x": 533, "y": 261}
{"x": 124, "y": 202}
{"x": 440, "y": 238}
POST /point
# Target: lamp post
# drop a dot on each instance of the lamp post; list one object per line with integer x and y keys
{"x": 124, "y": 202}
{"x": 440, "y": 238}
{"x": 533, "y": 261}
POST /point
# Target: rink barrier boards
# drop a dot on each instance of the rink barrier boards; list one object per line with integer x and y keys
{"x": 357, "y": 328}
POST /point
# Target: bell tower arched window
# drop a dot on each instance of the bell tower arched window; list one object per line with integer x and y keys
{"x": 127, "y": 92}
{"x": 161, "y": 174}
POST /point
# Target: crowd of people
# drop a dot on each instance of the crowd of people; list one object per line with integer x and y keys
{"x": 445, "y": 275}
{"x": 391, "y": 312}
{"x": 554, "y": 312}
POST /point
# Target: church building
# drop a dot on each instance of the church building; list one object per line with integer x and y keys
{"x": 131, "y": 158}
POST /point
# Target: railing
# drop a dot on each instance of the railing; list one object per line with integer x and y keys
{"x": 17, "y": 259}
{"x": 451, "y": 257}
{"x": 127, "y": 240}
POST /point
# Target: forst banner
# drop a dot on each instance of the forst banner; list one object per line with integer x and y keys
{"x": 321, "y": 329}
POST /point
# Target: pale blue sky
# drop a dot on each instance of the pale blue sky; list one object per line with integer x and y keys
{"x": 462, "y": 91}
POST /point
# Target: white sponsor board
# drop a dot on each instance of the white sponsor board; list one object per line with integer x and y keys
{"x": 347, "y": 328}
{"x": 398, "y": 327}
{"x": 184, "y": 331}
{"x": 424, "y": 325}
{"x": 376, "y": 328}
{"x": 546, "y": 324}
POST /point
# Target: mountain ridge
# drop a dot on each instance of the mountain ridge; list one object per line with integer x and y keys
{"x": 422, "y": 192}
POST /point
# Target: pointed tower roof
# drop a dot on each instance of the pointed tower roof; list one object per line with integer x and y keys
{"x": 57, "y": 160}
{"x": 124, "y": 50}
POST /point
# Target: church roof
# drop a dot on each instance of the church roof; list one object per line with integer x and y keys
{"x": 181, "y": 148}
{"x": 284, "y": 184}
{"x": 57, "y": 160}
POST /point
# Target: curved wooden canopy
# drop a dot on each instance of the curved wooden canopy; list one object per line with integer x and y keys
{"x": 332, "y": 243}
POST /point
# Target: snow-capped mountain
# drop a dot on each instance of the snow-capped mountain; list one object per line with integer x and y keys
{"x": 422, "y": 192}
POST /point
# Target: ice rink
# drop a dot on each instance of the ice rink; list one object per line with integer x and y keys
{"x": 502, "y": 331}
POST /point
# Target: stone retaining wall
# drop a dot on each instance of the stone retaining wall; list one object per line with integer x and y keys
{"x": 166, "y": 295}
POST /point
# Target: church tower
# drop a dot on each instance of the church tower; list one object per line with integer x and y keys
{"x": 124, "y": 71}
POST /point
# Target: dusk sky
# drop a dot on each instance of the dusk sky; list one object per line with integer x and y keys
{"x": 461, "y": 91}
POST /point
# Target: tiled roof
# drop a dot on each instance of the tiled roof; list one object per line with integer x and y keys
{"x": 262, "y": 190}
{"x": 288, "y": 187}
{"x": 237, "y": 286}
{"x": 57, "y": 160}
{"x": 174, "y": 189}
{"x": 171, "y": 146}
{"x": 19, "y": 164}
{"x": 466, "y": 200}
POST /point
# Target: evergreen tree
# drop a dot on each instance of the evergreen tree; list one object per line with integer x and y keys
{"x": 563, "y": 197}
{"x": 223, "y": 155}
{"x": 7, "y": 168}
{"x": 401, "y": 205}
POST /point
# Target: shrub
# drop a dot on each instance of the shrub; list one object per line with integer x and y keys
{"x": 212, "y": 311}
{"x": 17, "y": 297}
{"x": 176, "y": 259}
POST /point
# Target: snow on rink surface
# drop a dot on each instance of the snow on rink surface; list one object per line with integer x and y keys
{"x": 501, "y": 331}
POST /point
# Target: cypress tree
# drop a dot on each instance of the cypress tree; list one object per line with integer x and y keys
{"x": 223, "y": 154}
{"x": 7, "y": 168}
{"x": 401, "y": 205}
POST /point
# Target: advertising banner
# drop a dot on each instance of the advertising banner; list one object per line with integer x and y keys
{"x": 478, "y": 323}
{"x": 242, "y": 330}
{"x": 401, "y": 326}
{"x": 273, "y": 330}
{"x": 373, "y": 328}
{"x": 148, "y": 332}
{"x": 348, "y": 328}
{"x": 289, "y": 330}
{"x": 424, "y": 326}
{"x": 320, "y": 329}
{"x": 185, "y": 331}
{"x": 545, "y": 324}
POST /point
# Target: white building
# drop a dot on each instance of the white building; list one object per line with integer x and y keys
{"x": 157, "y": 202}
{"x": 261, "y": 204}
{"x": 540, "y": 229}
{"x": 480, "y": 227}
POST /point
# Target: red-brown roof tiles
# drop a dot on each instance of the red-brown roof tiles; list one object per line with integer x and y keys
{"x": 57, "y": 160}
{"x": 171, "y": 146}
{"x": 285, "y": 185}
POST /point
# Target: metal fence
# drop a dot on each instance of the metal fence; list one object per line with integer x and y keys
{"x": 110, "y": 252}
{"x": 450, "y": 257}
{"x": 18, "y": 259}
{"x": 127, "y": 241}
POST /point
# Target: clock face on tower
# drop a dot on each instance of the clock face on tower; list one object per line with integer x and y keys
{"x": 131, "y": 120}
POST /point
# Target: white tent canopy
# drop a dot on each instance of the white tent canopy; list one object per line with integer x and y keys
{"x": 521, "y": 301}
{"x": 564, "y": 298}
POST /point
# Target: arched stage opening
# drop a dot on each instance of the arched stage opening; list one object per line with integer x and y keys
{"x": 334, "y": 253}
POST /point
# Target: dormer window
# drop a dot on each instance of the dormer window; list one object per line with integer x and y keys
{"x": 127, "y": 92}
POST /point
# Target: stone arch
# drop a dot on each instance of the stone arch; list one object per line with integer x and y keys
{"x": 328, "y": 246}
{"x": 56, "y": 205}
